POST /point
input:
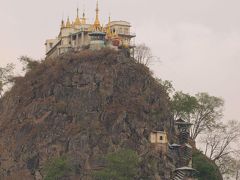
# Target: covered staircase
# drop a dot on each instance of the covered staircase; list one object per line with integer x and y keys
{"x": 183, "y": 137}
{"x": 186, "y": 154}
{"x": 184, "y": 172}
{"x": 179, "y": 175}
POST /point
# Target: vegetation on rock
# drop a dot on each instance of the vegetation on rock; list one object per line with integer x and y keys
{"x": 57, "y": 168}
{"x": 121, "y": 165}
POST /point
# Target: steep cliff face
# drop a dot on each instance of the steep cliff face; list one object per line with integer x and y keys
{"x": 81, "y": 105}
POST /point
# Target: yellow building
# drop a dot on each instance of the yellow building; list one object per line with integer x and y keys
{"x": 159, "y": 141}
{"x": 82, "y": 35}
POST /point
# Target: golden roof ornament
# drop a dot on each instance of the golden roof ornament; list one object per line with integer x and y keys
{"x": 83, "y": 18}
{"x": 77, "y": 20}
{"x": 62, "y": 24}
{"x": 97, "y": 25}
{"x": 68, "y": 24}
{"x": 109, "y": 32}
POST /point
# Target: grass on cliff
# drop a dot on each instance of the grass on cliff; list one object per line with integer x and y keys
{"x": 121, "y": 165}
{"x": 57, "y": 168}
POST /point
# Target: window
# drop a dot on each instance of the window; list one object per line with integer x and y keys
{"x": 161, "y": 138}
{"x": 126, "y": 31}
{"x": 120, "y": 30}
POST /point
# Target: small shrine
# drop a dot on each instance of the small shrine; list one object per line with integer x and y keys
{"x": 159, "y": 141}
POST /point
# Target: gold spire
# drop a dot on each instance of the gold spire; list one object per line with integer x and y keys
{"x": 96, "y": 24}
{"x": 62, "y": 24}
{"x": 77, "y": 20}
{"x": 109, "y": 33}
{"x": 68, "y": 24}
{"x": 83, "y": 18}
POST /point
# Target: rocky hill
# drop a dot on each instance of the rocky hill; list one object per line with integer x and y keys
{"x": 83, "y": 106}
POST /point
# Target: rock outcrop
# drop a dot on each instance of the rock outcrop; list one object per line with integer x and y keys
{"x": 82, "y": 105}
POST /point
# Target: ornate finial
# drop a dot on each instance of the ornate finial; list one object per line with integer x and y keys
{"x": 109, "y": 32}
{"x": 62, "y": 24}
{"x": 77, "y": 20}
{"x": 97, "y": 25}
{"x": 68, "y": 24}
{"x": 97, "y": 9}
{"x": 83, "y": 17}
{"x": 84, "y": 11}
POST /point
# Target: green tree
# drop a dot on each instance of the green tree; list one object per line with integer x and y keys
{"x": 202, "y": 110}
{"x": 57, "y": 168}
{"x": 121, "y": 165}
{"x": 183, "y": 105}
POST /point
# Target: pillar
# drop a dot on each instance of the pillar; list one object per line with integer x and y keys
{"x": 82, "y": 40}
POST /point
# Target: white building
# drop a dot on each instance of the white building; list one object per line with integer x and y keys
{"x": 80, "y": 35}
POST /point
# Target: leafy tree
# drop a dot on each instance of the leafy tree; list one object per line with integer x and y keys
{"x": 202, "y": 110}
{"x": 122, "y": 165}
{"x": 57, "y": 168}
{"x": 5, "y": 76}
{"x": 183, "y": 105}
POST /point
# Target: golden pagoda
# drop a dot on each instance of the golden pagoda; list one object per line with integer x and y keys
{"x": 97, "y": 25}
{"x": 108, "y": 29}
{"x": 68, "y": 24}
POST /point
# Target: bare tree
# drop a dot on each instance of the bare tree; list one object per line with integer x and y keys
{"x": 231, "y": 168}
{"x": 28, "y": 63}
{"x": 5, "y": 76}
{"x": 167, "y": 86}
{"x": 220, "y": 145}
{"x": 237, "y": 170}
{"x": 218, "y": 142}
{"x": 143, "y": 54}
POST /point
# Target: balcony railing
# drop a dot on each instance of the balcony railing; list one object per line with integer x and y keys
{"x": 127, "y": 34}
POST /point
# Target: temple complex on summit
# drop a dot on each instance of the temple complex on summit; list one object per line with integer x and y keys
{"x": 78, "y": 35}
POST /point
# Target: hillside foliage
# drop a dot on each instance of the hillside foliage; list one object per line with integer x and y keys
{"x": 121, "y": 165}
{"x": 57, "y": 168}
{"x": 206, "y": 168}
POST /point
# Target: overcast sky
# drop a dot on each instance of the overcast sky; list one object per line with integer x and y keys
{"x": 198, "y": 41}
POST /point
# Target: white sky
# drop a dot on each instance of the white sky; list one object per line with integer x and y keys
{"x": 198, "y": 41}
